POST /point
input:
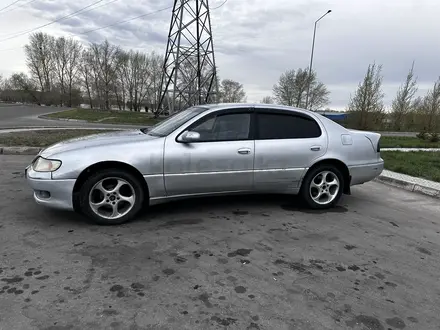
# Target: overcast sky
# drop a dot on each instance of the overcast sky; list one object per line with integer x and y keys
{"x": 257, "y": 40}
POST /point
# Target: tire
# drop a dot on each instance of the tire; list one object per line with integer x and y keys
{"x": 123, "y": 192}
{"x": 309, "y": 190}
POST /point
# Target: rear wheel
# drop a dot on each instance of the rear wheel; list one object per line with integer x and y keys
{"x": 322, "y": 187}
{"x": 111, "y": 197}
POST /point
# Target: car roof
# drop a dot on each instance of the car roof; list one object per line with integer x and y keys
{"x": 257, "y": 105}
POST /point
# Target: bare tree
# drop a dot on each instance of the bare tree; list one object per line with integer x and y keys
{"x": 402, "y": 104}
{"x": 85, "y": 68}
{"x": 366, "y": 108}
{"x": 122, "y": 73}
{"x": 104, "y": 69}
{"x": 232, "y": 92}
{"x": 39, "y": 60}
{"x": 154, "y": 91}
{"x": 59, "y": 55}
{"x": 291, "y": 89}
{"x": 188, "y": 83}
{"x": 140, "y": 71}
{"x": 73, "y": 66}
{"x": 267, "y": 100}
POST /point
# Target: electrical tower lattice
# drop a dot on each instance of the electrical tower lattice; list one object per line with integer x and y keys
{"x": 189, "y": 73}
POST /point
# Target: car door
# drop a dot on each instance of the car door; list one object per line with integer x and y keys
{"x": 221, "y": 160}
{"x": 286, "y": 143}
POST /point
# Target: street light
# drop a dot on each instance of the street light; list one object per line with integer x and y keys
{"x": 311, "y": 58}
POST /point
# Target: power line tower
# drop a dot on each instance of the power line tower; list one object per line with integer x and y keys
{"x": 189, "y": 74}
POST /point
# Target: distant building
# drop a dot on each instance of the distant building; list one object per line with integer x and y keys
{"x": 335, "y": 116}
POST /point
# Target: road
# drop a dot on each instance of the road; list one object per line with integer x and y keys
{"x": 231, "y": 263}
{"x": 27, "y": 116}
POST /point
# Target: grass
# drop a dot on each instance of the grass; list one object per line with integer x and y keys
{"x": 422, "y": 164}
{"x": 106, "y": 117}
{"x": 43, "y": 138}
{"x": 406, "y": 142}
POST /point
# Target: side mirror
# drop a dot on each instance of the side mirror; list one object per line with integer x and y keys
{"x": 189, "y": 136}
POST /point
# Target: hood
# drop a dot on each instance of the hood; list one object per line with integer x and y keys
{"x": 96, "y": 140}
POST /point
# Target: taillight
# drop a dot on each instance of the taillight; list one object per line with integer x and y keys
{"x": 378, "y": 146}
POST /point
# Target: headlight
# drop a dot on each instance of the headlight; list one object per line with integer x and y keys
{"x": 46, "y": 165}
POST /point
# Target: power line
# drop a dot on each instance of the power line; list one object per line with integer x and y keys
{"x": 16, "y": 7}
{"x": 52, "y": 22}
{"x": 113, "y": 24}
{"x": 127, "y": 20}
{"x": 224, "y": 2}
{"x": 106, "y": 26}
{"x": 11, "y": 4}
{"x": 104, "y": 4}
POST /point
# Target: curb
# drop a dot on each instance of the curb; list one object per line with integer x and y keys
{"x": 49, "y": 128}
{"x": 88, "y": 122}
{"x": 63, "y": 119}
{"x": 408, "y": 186}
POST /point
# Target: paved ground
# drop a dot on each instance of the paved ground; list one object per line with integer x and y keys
{"x": 233, "y": 263}
{"x": 27, "y": 116}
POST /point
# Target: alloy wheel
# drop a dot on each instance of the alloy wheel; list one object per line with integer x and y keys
{"x": 324, "y": 187}
{"x": 112, "y": 198}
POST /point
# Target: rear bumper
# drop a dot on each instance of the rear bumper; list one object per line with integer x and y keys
{"x": 366, "y": 172}
{"x": 50, "y": 193}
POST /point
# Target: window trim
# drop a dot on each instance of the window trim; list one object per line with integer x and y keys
{"x": 265, "y": 111}
{"x": 222, "y": 112}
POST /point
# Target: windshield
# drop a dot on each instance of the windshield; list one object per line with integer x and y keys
{"x": 172, "y": 123}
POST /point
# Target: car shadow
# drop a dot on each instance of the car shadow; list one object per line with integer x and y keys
{"x": 291, "y": 203}
{"x": 237, "y": 204}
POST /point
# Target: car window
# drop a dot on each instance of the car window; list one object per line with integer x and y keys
{"x": 175, "y": 121}
{"x": 225, "y": 127}
{"x": 206, "y": 125}
{"x": 286, "y": 126}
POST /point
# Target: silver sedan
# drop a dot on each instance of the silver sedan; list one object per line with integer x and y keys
{"x": 209, "y": 150}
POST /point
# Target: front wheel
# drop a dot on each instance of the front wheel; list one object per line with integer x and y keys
{"x": 111, "y": 197}
{"x": 322, "y": 187}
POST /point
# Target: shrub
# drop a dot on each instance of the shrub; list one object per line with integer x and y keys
{"x": 423, "y": 135}
{"x": 434, "y": 137}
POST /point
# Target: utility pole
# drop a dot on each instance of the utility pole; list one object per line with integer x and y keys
{"x": 189, "y": 74}
{"x": 311, "y": 59}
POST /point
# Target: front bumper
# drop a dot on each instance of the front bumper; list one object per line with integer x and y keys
{"x": 366, "y": 172}
{"x": 51, "y": 193}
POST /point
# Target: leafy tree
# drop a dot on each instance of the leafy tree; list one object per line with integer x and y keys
{"x": 231, "y": 92}
{"x": 366, "y": 109}
{"x": 21, "y": 82}
{"x": 429, "y": 109}
{"x": 291, "y": 90}
{"x": 267, "y": 100}
{"x": 402, "y": 104}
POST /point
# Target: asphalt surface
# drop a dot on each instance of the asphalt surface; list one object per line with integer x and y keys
{"x": 231, "y": 263}
{"x": 27, "y": 116}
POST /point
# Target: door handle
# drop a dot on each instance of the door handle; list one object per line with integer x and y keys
{"x": 315, "y": 148}
{"x": 244, "y": 151}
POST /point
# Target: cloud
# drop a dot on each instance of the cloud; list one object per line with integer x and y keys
{"x": 257, "y": 40}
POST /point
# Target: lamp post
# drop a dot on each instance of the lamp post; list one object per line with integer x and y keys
{"x": 311, "y": 57}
